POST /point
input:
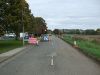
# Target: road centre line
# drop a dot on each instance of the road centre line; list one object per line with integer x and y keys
{"x": 52, "y": 61}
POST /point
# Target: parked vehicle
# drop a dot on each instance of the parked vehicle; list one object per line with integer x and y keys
{"x": 45, "y": 38}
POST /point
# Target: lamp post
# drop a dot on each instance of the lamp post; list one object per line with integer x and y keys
{"x": 23, "y": 28}
{"x": 7, "y": 29}
{"x": 22, "y": 20}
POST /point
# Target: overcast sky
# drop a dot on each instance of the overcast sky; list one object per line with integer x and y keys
{"x": 68, "y": 14}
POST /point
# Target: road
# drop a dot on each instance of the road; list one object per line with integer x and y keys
{"x": 50, "y": 58}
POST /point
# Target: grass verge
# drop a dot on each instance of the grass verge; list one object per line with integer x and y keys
{"x": 6, "y": 45}
{"x": 88, "y": 47}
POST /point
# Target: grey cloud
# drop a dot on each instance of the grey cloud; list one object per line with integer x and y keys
{"x": 67, "y": 12}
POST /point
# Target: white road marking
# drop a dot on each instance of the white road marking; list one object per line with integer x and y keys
{"x": 52, "y": 62}
{"x": 52, "y": 44}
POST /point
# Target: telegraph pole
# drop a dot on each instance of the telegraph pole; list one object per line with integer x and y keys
{"x": 22, "y": 21}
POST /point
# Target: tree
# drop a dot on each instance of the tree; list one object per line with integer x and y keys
{"x": 49, "y": 31}
{"x": 29, "y": 25}
{"x": 77, "y": 31}
{"x": 56, "y": 31}
{"x": 19, "y": 12}
{"x": 90, "y": 32}
{"x": 40, "y": 26}
{"x": 98, "y": 31}
{"x": 3, "y": 7}
{"x": 14, "y": 14}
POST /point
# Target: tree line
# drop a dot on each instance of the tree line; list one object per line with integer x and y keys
{"x": 78, "y": 31}
{"x": 15, "y": 14}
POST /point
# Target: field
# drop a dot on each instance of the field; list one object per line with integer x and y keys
{"x": 6, "y": 45}
{"x": 95, "y": 38}
{"x": 89, "y": 44}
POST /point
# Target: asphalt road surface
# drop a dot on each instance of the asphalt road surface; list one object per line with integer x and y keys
{"x": 50, "y": 58}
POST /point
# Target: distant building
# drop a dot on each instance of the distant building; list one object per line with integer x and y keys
{"x": 10, "y": 35}
{"x": 23, "y": 35}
